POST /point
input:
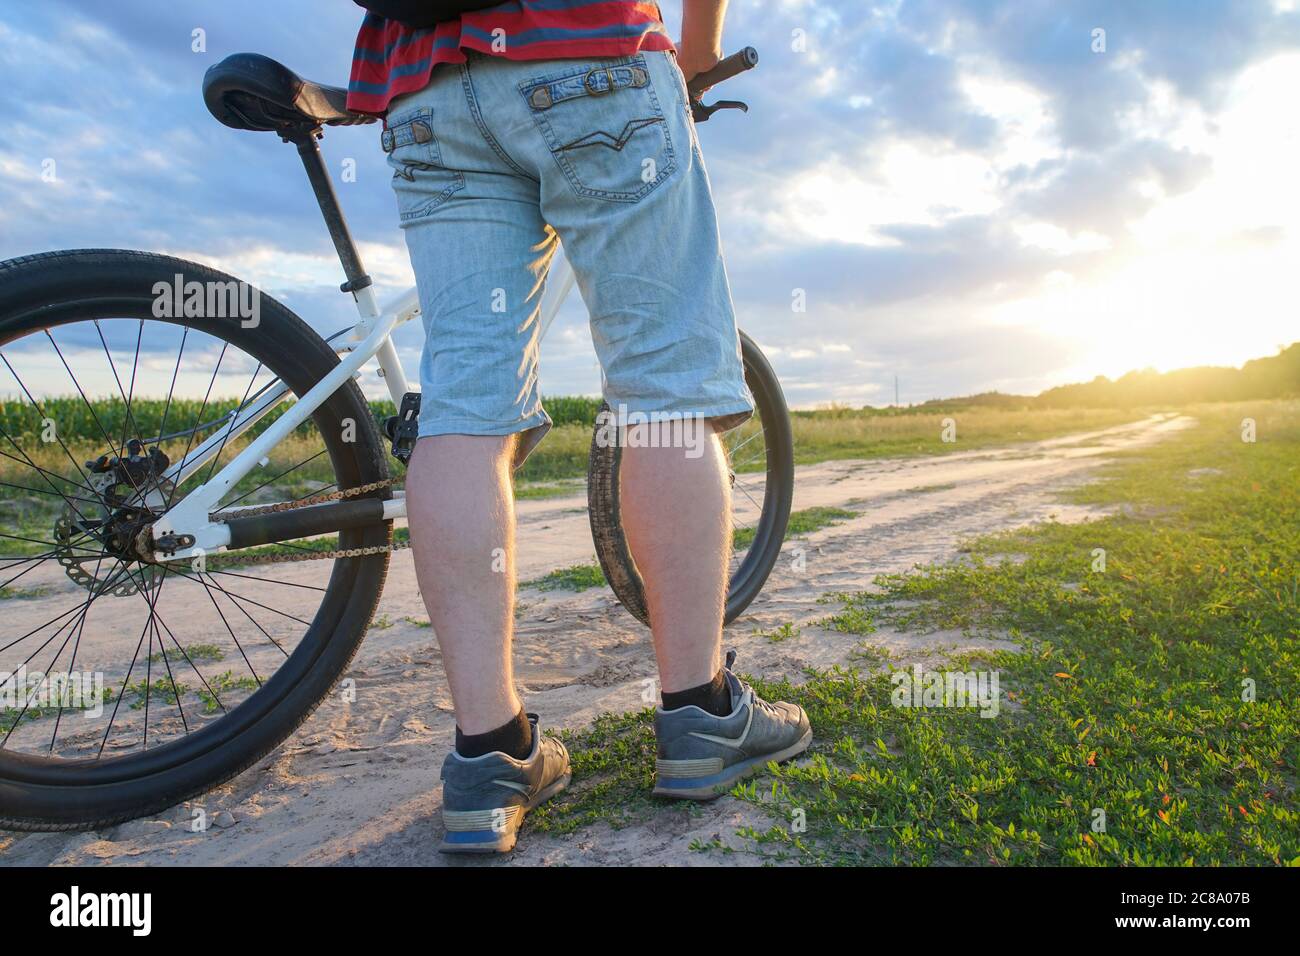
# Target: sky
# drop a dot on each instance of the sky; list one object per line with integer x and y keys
{"x": 967, "y": 195}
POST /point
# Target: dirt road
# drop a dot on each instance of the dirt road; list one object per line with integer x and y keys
{"x": 358, "y": 783}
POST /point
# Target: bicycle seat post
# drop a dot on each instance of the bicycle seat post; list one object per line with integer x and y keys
{"x": 323, "y": 186}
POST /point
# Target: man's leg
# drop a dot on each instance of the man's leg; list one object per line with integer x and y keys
{"x": 639, "y": 227}
{"x": 461, "y": 508}
{"x": 480, "y": 249}
{"x": 677, "y": 516}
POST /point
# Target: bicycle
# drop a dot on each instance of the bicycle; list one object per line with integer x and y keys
{"x": 155, "y": 523}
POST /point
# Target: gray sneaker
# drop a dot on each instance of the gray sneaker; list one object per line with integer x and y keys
{"x": 484, "y": 799}
{"x": 702, "y": 756}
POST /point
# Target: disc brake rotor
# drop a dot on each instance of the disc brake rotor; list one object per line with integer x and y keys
{"x": 82, "y": 536}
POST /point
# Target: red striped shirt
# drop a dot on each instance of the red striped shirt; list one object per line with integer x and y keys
{"x": 391, "y": 59}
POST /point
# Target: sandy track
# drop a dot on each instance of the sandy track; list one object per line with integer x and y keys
{"x": 358, "y": 783}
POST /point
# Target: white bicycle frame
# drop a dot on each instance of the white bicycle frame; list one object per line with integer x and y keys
{"x": 370, "y": 338}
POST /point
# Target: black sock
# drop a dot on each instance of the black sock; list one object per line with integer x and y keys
{"x": 514, "y": 738}
{"x": 713, "y": 697}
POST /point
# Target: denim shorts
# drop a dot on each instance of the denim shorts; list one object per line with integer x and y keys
{"x": 496, "y": 162}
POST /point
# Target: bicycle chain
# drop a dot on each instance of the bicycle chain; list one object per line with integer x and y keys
{"x": 234, "y": 557}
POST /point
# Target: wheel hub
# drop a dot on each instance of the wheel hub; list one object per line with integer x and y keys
{"x": 96, "y": 538}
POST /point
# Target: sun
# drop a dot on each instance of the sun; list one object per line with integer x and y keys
{"x": 1208, "y": 277}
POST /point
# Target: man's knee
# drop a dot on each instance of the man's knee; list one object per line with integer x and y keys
{"x": 467, "y": 450}
{"x": 693, "y": 435}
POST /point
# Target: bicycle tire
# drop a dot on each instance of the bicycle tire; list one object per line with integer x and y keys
{"x": 42, "y": 291}
{"x": 745, "y": 583}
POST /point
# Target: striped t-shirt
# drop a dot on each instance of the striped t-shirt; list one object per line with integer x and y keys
{"x": 392, "y": 59}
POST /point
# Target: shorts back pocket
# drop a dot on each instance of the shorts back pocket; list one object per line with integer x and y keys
{"x": 420, "y": 180}
{"x": 604, "y": 126}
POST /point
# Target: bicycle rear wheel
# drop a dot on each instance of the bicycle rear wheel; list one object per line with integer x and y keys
{"x": 178, "y": 676}
{"x": 760, "y": 456}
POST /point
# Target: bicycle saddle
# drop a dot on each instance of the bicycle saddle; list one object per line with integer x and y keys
{"x": 251, "y": 91}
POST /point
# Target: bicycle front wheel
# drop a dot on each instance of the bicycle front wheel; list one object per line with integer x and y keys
{"x": 138, "y": 685}
{"x": 760, "y": 457}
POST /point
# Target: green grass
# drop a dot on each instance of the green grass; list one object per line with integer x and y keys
{"x": 814, "y": 519}
{"x": 216, "y": 686}
{"x": 160, "y": 691}
{"x": 776, "y": 635}
{"x": 819, "y": 435}
{"x": 27, "y": 711}
{"x": 579, "y": 577}
{"x": 11, "y": 592}
{"x": 562, "y": 455}
{"x": 867, "y": 433}
{"x": 1127, "y": 698}
{"x": 1124, "y": 699}
{"x": 613, "y": 773}
{"x": 197, "y": 653}
{"x": 852, "y": 618}
{"x": 525, "y": 490}
{"x": 223, "y": 684}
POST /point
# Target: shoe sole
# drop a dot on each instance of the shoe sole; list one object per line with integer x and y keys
{"x": 494, "y": 841}
{"x": 716, "y": 786}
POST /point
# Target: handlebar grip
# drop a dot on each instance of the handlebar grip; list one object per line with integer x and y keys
{"x": 725, "y": 69}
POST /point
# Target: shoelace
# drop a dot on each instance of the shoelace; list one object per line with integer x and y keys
{"x": 758, "y": 701}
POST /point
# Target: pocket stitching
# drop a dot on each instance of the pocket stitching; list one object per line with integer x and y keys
{"x": 557, "y": 149}
{"x": 623, "y": 138}
{"x": 457, "y": 184}
{"x": 432, "y": 159}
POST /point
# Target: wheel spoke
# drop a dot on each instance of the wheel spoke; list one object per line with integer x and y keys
{"x": 250, "y": 617}
{"x": 42, "y": 472}
{"x": 758, "y": 432}
{"x": 76, "y": 527}
{"x": 18, "y": 719}
{"x": 171, "y": 388}
{"x": 117, "y": 450}
{"x": 121, "y": 694}
{"x": 46, "y": 473}
{"x": 72, "y": 664}
{"x": 198, "y": 418}
{"x": 85, "y": 607}
{"x": 184, "y": 653}
{"x": 57, "y": 437}
{"x": 226, "y": 437}
{"x": 229, "y": 630}
{"x": 241, "y": 597}
{"x": 270, "y": 481}
{"x": 39, "y": 627}
{"x": 745, "y": 492}
{"x": 251, "y": 577}
{"x": 128, "y": 418}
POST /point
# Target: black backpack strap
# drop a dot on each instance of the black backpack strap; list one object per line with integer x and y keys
{"x": 423, "y": 13}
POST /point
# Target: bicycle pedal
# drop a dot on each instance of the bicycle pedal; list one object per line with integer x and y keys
{"x": 404, "y": 428}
